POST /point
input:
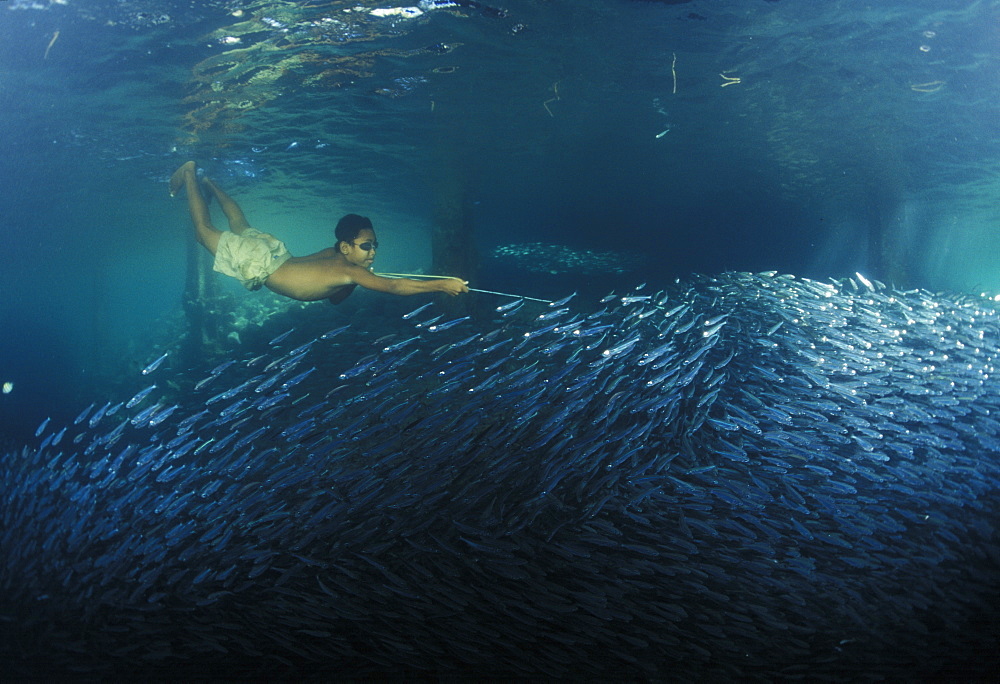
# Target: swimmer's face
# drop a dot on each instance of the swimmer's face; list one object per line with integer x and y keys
{"x": 361, "y": 250}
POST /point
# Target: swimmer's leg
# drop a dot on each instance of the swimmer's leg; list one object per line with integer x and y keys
{"x": 237, "y": 221}
{"x": 187, "y": 177}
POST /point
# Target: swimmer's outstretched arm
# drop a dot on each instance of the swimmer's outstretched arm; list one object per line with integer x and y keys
{"x": 407, "y": 286}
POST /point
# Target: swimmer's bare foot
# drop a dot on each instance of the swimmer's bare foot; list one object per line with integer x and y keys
{"x": 180, "y": 176}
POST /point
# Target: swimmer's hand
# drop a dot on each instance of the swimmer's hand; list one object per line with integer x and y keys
{"x": 453, "y": 286}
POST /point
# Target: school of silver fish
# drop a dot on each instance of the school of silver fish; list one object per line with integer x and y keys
{"x": 744, "y": 477}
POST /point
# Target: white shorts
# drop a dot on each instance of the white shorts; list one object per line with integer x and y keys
{"x": 251, "y": 257}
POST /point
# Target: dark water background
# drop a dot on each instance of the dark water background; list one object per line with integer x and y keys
{"x": 860, "y": 137}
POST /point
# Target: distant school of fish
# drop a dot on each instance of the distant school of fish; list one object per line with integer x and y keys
{"x": 745, "y": 477}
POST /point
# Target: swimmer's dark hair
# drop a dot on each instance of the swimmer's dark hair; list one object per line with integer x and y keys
{"x": 350, "y": 227}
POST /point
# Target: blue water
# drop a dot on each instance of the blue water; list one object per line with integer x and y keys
{"x": 653, "y": 141}
{"x": 826, "y": 157}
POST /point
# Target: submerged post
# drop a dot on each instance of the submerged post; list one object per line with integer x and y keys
{"x": 453, "y": 245}
{"x": 202, "y": 329}
{"x": 888, "y": 246}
